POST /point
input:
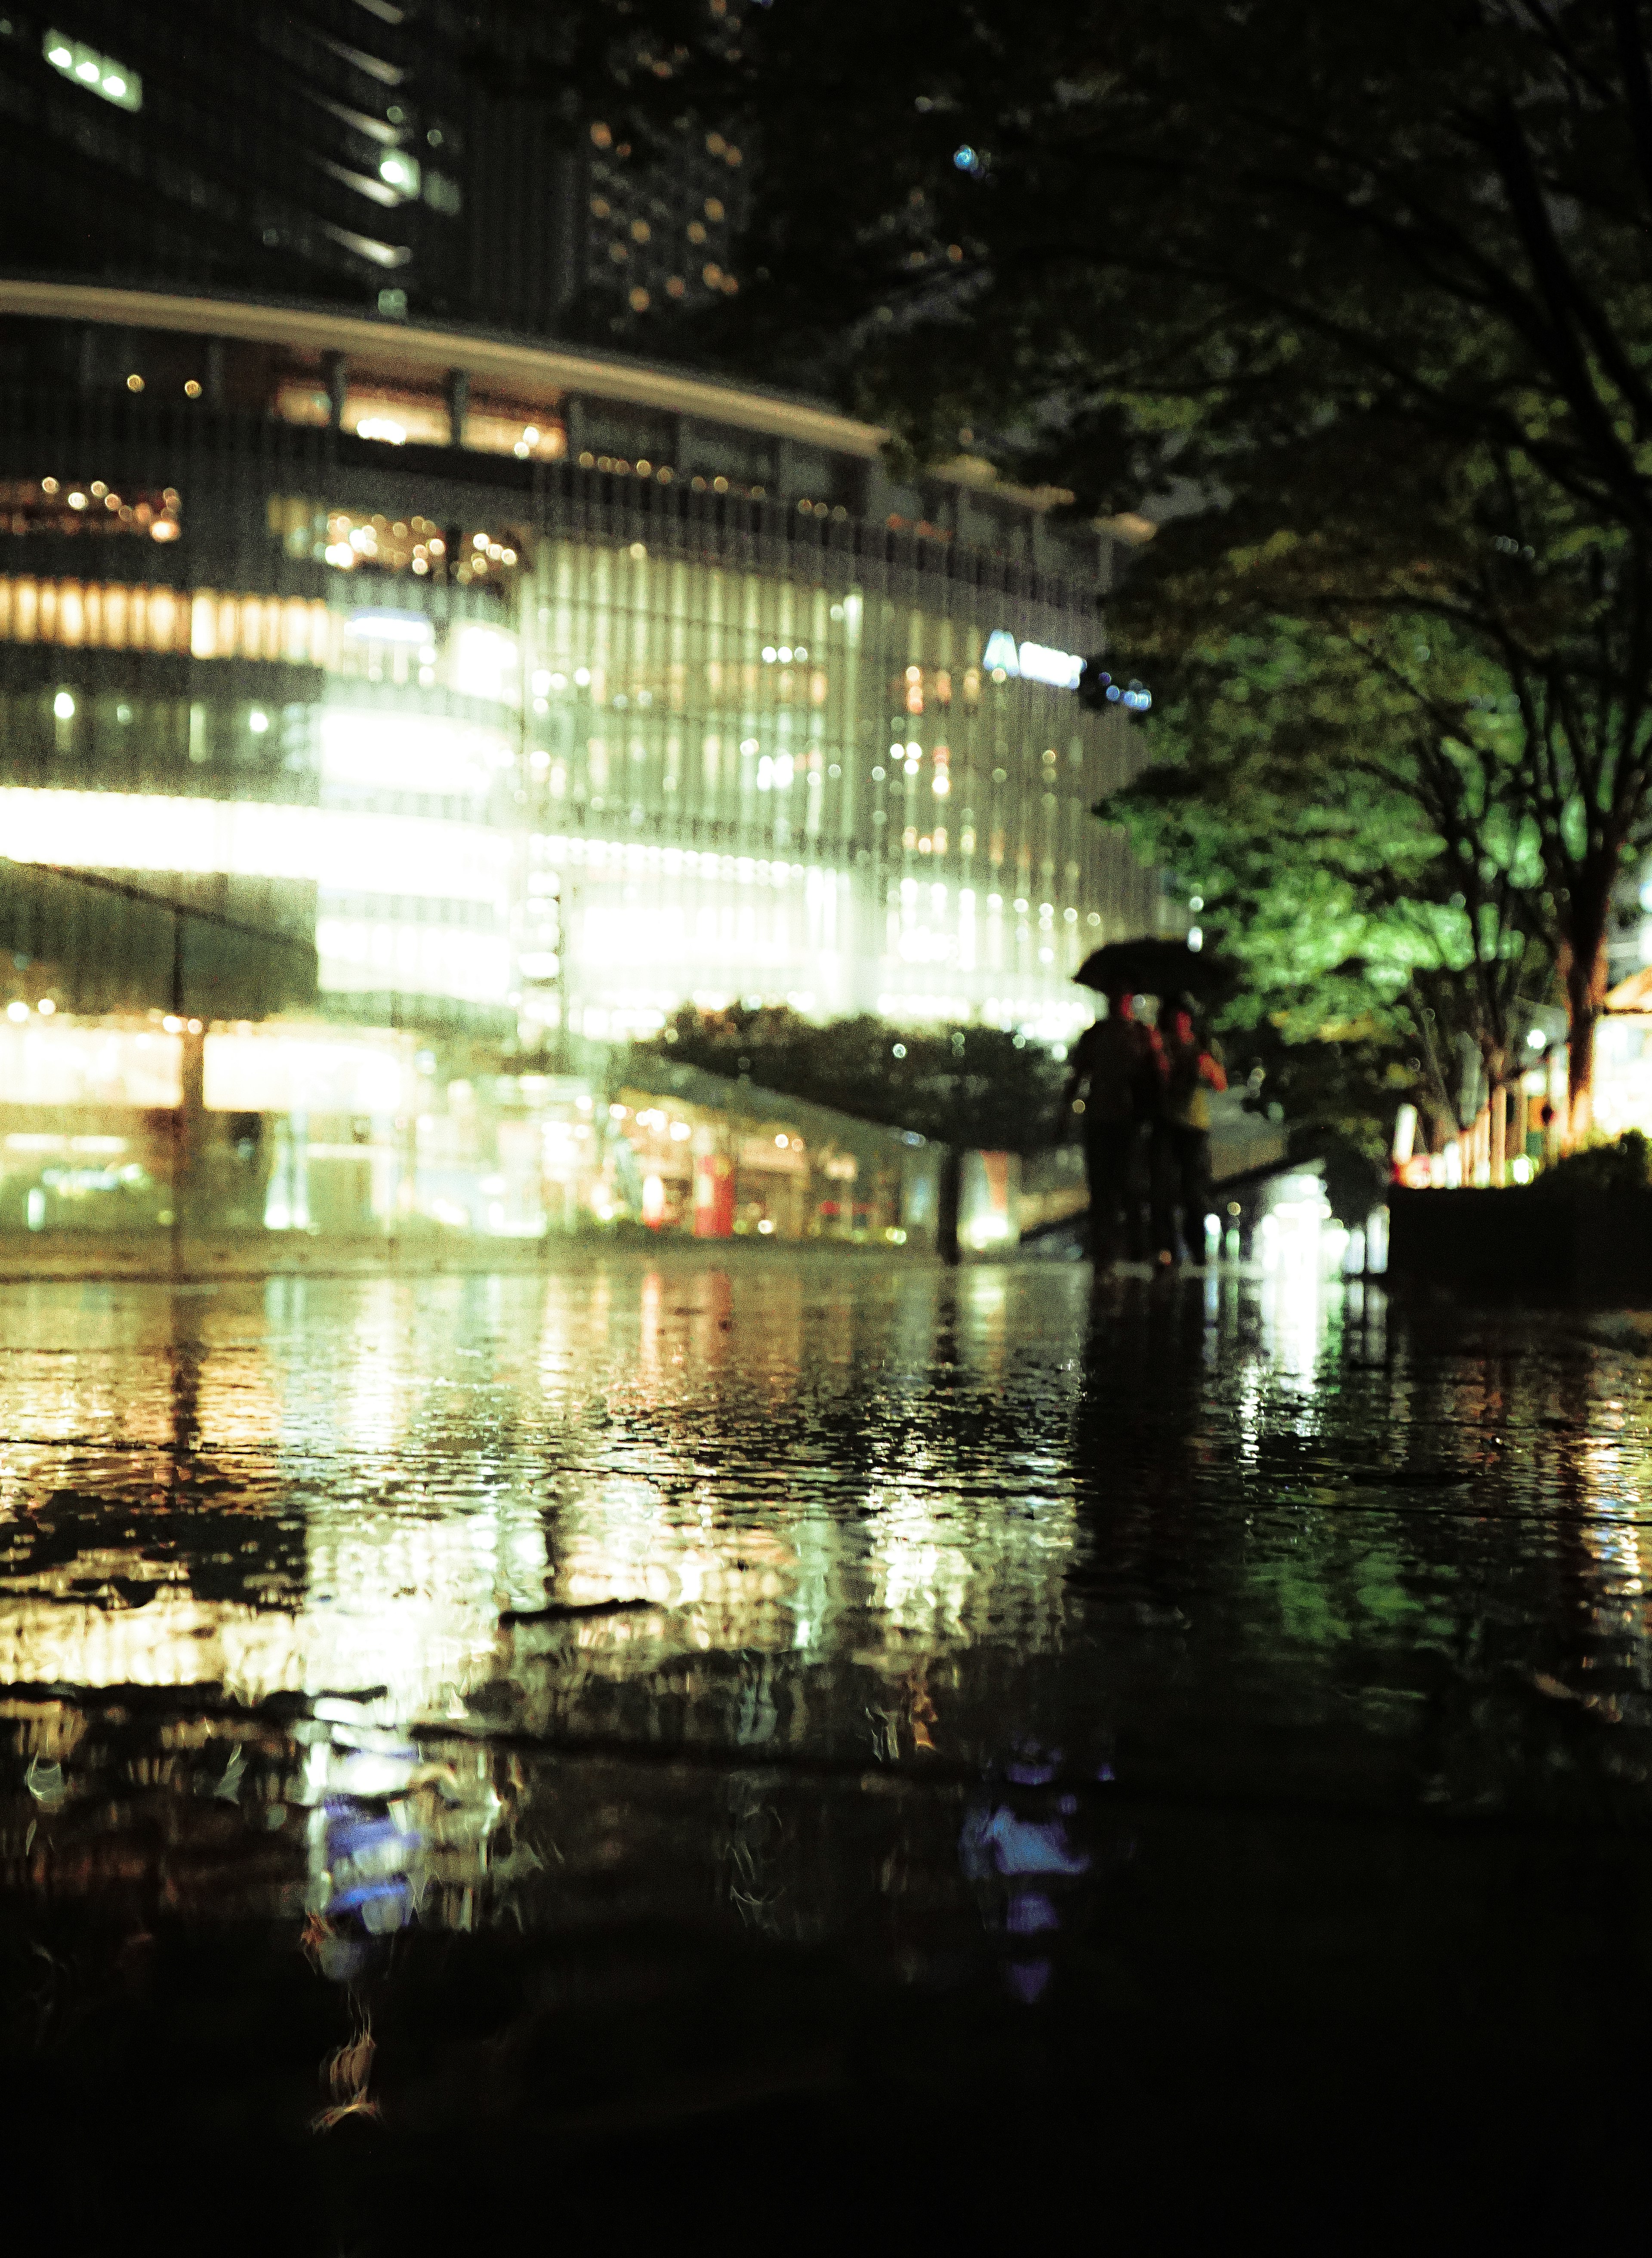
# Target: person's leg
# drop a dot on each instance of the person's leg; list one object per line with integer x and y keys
{"x": 1096, "y": 1177}
{"x": 1106, "y": 1167}
{"x": 1162, "y": 1189}
{"x": 1195, "y": 1190}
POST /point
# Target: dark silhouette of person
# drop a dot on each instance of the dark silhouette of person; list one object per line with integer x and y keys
{"x": 1180, "y": 1161}
{"x": 1117, "y": 1060}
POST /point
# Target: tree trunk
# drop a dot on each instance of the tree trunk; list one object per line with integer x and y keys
{"x": 1584, "y": 972}
{"x": 1500, "y": 1135}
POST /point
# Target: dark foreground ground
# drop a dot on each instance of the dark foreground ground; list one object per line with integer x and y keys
{"x": 1140, "y": 1769}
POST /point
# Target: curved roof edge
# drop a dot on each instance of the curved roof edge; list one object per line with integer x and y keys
{"x": 413, "y": 349}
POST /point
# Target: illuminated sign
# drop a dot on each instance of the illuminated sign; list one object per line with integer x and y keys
{"x": 389, "y": 627}
{"x": 1031, "y": 662}
{"x": 1061, "y": 669}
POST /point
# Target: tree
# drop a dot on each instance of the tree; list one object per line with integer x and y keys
{"x": 1348, "y": 806}
{"x": 978, "y": 1087}
{"x": 1535, "y": 692}
{"x": 1256, "y": 211}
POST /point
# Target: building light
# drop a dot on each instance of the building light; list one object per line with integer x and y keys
{"x": 99, "y": 75}
{"x": 63, "y": 707}
{"x": 400, "y": 171}
{"x": 389, "y": 626}
{"x": 485, "y": 661}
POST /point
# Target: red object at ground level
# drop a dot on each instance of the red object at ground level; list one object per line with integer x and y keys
{"x": 714, "y": 1197}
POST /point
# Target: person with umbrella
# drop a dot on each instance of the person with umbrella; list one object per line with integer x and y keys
{"x": 1117, "y": 1059}
{"x": 1181, "y": 1134}
{"x": 1126, "y": 1107}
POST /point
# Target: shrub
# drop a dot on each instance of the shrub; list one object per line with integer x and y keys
{"x": 1618, "y": 1168}
{"x": 965, "y": 1085}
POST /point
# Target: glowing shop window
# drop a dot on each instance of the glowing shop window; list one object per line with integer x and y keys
{"x": 527, "y": 433}
{"x": 94, "y": 616}
{"x": 60, "y": 1064}
{"x": 409, "y": 752}
{"x": 303, "y": 404}
{"x": 126, "y": 831}
{"x": 396, "y": 418}
{"x": 485, "y": 664}
{"x": 99, "y": 75}
{"x": 255, "y": 1072}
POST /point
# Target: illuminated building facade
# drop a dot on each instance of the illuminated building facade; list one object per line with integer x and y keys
{"x": 541, "y": 691}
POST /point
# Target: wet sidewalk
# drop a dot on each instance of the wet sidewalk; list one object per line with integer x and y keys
{"x": 957, "y": 1735}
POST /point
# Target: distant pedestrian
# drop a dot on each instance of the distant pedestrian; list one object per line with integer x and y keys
{"x": 1117, "y": 1061}
{"x": 1180, "y": 1161}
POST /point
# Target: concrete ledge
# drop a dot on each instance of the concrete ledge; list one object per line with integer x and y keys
{"x": 1535, "y": 1245}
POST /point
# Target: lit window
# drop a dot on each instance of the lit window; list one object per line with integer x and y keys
{"x": 640, "y": 231}
{"x": 639, "y": 300}
{"x": 714, "y": 208}
{"x": 99, "y": 75}
{"x": 696, "y": 232}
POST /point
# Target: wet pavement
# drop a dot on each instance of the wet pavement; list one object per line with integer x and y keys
{"x": 729, "y": 1737}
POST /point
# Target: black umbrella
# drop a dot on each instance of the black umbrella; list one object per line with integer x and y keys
{"x": 1150, "y": 967}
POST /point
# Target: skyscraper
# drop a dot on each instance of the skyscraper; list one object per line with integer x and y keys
{"x": 368, "y": 153}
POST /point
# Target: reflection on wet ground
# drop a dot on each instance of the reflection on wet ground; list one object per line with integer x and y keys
{"x": 889, "y": 1720}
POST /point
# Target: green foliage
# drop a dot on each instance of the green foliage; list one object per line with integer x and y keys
{"x": 971, "y": 1086}
{"x": 1615, "y": 1169}
{"x": 1498, "y": 691}
{"x": 1345, "y": 799}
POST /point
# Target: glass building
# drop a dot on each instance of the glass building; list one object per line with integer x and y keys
{"x": 533, "y": 691}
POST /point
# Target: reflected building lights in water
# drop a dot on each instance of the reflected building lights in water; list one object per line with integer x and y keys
{"x": 873, "y": 1517}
